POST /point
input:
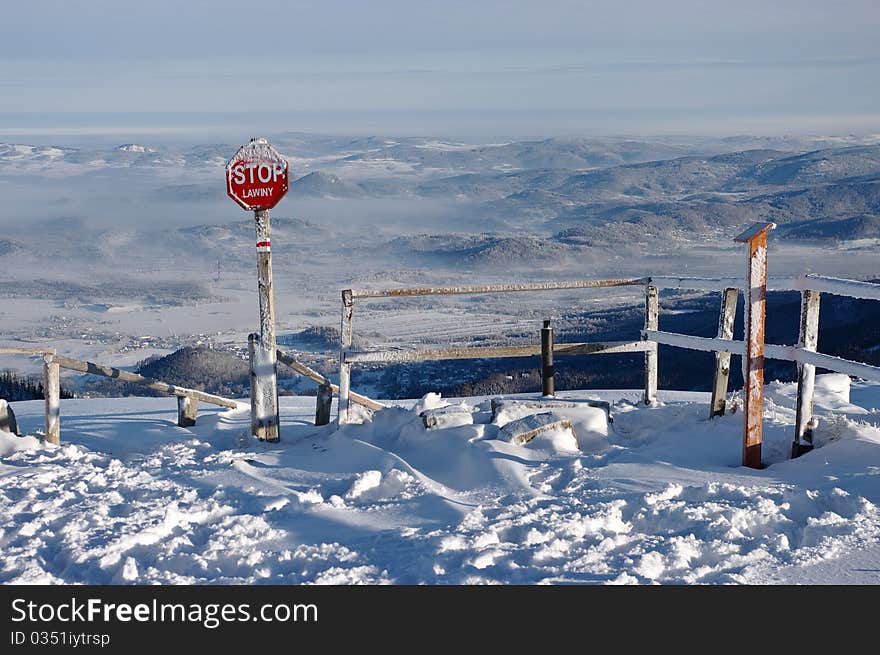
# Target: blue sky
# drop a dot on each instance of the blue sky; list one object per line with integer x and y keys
{"x": 446, "y": 67}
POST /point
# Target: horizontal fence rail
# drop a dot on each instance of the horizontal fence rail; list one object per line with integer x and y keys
{"x": 804, "y": 354}
{"x": 27, "y": 351}
{"x": 821, "y": 283}
{"x": 492, "y": 352}
{"x": 830, "y": 362}
{"x": 187, "y": 399}
{"x": 134, "y": 378}
{"x": 495, "y": 288}
{"x": 291, "y": 361}
{"x": 794, "y": 354}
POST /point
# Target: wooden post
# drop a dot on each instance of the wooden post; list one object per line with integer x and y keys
{"x": 547, "y": 372}
{"x": 267, "y": 370}
{"x": 652, "y": 322}
{"x": 346, "y": 339}
{"x": 756, "y": 302}
{"x": 8, "y": 423}
{"x": 264, "y": 399}
{"x": 808, "y": 340}
{"x": 187, "y": 411}
{"x": 52, "y": 393}
{"x": 323, "y": 402}
{"x": 726, "y": 318}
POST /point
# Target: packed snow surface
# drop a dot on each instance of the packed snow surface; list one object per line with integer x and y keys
{"x": 657, "y": 496}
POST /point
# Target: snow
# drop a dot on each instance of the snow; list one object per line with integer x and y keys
{"x": 657, "y": 496}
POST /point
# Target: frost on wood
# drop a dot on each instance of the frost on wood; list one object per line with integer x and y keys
{"x": 52, "y": 392}
{"x": 7, "y": 418}
{"x": 722, "y": 359}
{"x": 264, "y": 279}
{"x": 756, "y": 237}
{"x": 264, "y": 390}
{"x": 448, "y": 417}
{"x": 808, "y": 340}
{"x": 264, "y": 372}
{"x": 523, "y": 430}
{"x": 495, "y": 288}
{"x": 502, "y": 407}
{"x": 758, "y": 277}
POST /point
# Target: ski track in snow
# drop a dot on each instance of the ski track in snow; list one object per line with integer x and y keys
{"x": 660, "y": 498}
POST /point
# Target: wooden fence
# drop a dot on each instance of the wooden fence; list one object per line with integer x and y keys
{"x": 804, "y": 354}
{"x": 348, "y": 356}
{"x": 187, "y": 399}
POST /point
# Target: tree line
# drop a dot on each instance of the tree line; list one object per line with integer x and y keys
{"x": 16, "y": 388}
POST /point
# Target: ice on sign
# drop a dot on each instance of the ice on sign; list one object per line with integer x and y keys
{"x": 257, "y": 177}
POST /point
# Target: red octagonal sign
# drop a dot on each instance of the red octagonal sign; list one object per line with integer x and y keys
{"x": 257, "y": 176}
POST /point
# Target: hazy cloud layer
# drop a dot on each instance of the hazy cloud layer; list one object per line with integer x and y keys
{"x": 547, "y": 67}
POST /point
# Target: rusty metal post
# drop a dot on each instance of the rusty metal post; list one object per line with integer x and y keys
{"x": 808, "y": 340}
{"x": 722, "y": 359}
{"x": 652, "y": 313}
{"x": 547, "y": 372}
{"x": 346, "y": 338}
{"x": 755, "y": 306}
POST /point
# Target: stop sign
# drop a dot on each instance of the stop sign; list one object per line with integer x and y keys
{"x": 257, "y": 176}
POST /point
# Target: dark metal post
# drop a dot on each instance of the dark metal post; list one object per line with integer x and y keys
{"x": 323, "y": 401}
{"x": 547, "y": 359}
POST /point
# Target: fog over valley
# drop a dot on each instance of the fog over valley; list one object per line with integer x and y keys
{"x": 123, "y": 250}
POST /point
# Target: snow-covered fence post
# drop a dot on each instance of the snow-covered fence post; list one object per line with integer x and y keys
{"x": 756, "y": 301}
{"x": 547, "y": 383}
{"x": 346, "y": 338}
{"x": 652, "y": 312}
{"x": 808, "y": 340}
{"x": 323, "y": 402}
{"x": 187, "y": 411}
{"x": 722, "y": 358}
{"x": 264, "y": 398}
{"x": 52, "y": 393}
{"x": 8, "y": 423}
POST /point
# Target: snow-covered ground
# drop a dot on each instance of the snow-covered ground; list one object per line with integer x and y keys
{"x": 656, "y": 496}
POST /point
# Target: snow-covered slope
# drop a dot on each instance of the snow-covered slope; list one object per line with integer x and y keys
{"x": 656, "y": 496}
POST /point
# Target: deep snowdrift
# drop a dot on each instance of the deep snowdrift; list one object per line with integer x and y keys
{"x": 656, "y": 496}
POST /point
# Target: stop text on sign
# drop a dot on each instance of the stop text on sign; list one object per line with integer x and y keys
{"x": 257, "y": 177}
{"x": 255, "y": 171}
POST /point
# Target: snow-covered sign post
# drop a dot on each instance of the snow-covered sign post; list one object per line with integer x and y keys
{"x": 257, "y": 177}
{"x": 753, "y": 360}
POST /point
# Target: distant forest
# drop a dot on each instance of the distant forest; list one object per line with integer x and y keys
{"x": 16, "y": 388}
